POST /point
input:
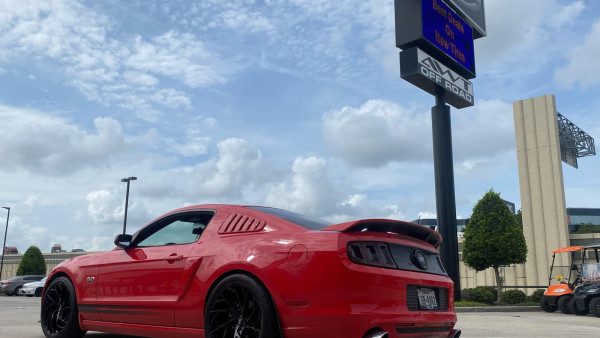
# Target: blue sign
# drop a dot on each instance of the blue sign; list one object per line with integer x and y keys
{"x": 448, "y": 32}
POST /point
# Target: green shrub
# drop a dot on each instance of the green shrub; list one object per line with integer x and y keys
{"x": 513, "y": 297}
{"x": 480, "y": 294}
{"x": 32, "y": 263}
{"x": 536, "y": 296}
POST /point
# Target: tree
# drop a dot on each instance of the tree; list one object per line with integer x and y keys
{"x": 32, "y": 263}
{"x": 493, "y": 238}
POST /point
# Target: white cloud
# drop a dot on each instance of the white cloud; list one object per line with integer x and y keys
{"x": 238, "y": 164}
{"x": 379, "y": 132}
{"x": 311, "y": 190}
{"x": 138, "y": 78}
{"x": 483, "y": 131}
{"x": 49, "y": 145}
{"x": 569, "y": 13}
{"x": 177, "y": 55}
{"x": 107, "y": 207}
{"x": 583, "y": 63}
{"x": 523, "y": 36}
{"x": 102, "y": 68}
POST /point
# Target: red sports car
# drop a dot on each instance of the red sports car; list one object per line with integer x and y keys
{"x": 246, "y": 271}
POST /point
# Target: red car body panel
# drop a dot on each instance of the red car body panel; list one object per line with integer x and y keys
{"x": 317, "y": 290}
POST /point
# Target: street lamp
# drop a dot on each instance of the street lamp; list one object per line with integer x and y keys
{"x": 4, "y": 245}
{"x": 128, "y": 180}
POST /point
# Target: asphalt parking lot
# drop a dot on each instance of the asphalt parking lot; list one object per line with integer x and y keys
{"x": 19, "y": 319}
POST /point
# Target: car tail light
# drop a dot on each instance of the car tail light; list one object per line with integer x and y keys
{"x": 371, "y": 253}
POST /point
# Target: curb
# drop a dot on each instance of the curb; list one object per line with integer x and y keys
{"x": 498, "y": 309}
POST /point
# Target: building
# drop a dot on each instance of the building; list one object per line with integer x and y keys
{"x": 583, "y": 220}
{"x": 432, "y": 223}
{"x": 11, "y": 262}
{"x": 544, "y": 138}
{"x": 11, "y": 250}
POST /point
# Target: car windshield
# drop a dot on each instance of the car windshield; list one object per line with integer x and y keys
{"x": 307, "y": 222}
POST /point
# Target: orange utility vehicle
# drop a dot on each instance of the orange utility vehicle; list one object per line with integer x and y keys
{"x": 557, "y": 296}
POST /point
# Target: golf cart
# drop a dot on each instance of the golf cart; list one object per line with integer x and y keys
{"x": 587, "y": 296}
{"x": 557, "y": 296}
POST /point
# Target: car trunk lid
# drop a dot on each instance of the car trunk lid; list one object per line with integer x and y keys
{"x": 388, "y": 226}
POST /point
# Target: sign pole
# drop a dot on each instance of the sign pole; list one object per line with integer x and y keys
{"x": 444, "y": 188}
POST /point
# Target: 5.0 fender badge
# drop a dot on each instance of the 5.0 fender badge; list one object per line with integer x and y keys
{"x": 91, "y": 279}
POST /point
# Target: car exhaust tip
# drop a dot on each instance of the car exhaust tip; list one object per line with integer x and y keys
{"x": 376, "y": 333}
{"x": 454, "y": 333}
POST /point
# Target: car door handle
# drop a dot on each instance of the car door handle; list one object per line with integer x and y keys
{"x": 173, "y": 258}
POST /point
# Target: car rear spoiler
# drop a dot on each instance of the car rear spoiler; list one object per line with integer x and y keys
{"x": 412, "y": 230}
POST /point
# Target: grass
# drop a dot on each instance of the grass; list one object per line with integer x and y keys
{"x": 467, "y": 303}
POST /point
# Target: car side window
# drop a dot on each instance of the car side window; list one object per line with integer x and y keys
{"x": 174, "y": 230}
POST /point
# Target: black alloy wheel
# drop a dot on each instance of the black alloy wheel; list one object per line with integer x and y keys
{"x": 59, "y": 310}
{"x": 563, "y": 304}
{"x": 595, "y": 306}
{"x": 239, "y": 307}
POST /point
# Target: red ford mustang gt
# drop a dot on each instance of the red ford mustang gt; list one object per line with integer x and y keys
{"x": 243, "y": 271}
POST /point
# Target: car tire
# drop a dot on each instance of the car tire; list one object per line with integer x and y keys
{"x": 59, "y": 316}
{"x": 545, "y": 305}
{"x": 563, "y": 304}
{"x": 239, "y": 303}
{"x": 16, "y": 291}
{"x": 38, "y": 292}
{"x": 575, "y": 310}
{"x": 595, "y": 306}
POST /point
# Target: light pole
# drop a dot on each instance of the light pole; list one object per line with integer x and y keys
{"x": 4, "y": 245}
{"x": 128, "y": 180}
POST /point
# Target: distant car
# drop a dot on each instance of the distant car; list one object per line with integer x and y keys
{"x": 256, "y": 272}
{"x": 77, "y": 250}
{"x": 33, "y": 288}
{"x": 12, "y": 285}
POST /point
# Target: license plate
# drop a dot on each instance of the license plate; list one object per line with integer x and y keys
{"x": 427, "y": 300}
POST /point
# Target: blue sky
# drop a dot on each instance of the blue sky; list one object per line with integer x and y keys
{"x": 296, "y": 104}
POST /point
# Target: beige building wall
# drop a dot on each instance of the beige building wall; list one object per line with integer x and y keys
{"x": 541, "y": 184}
{"x": 542, "y": 197}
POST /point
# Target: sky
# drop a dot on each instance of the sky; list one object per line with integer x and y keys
{"x": 295, "y": 104}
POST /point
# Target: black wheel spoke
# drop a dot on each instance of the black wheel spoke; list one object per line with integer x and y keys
{"x": 56, "y": 307}
{"x": 234, "y": 313}
{"x": 221, "y": 326}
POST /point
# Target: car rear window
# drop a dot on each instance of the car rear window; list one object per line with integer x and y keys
{"x": 307, "y": 222}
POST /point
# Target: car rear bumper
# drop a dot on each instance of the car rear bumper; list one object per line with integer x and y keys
{"x": 352, "y": 300}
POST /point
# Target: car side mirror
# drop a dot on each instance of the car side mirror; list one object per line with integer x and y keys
{"x": 123, "y": 241}
{"x": 197, "y": 231}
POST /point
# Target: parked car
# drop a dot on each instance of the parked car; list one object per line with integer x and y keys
{"x": 244, "y": 271}
{"x": 33, "y": 288}
{"x": 77, "y": 250}
{"x": 12, "y": 285}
